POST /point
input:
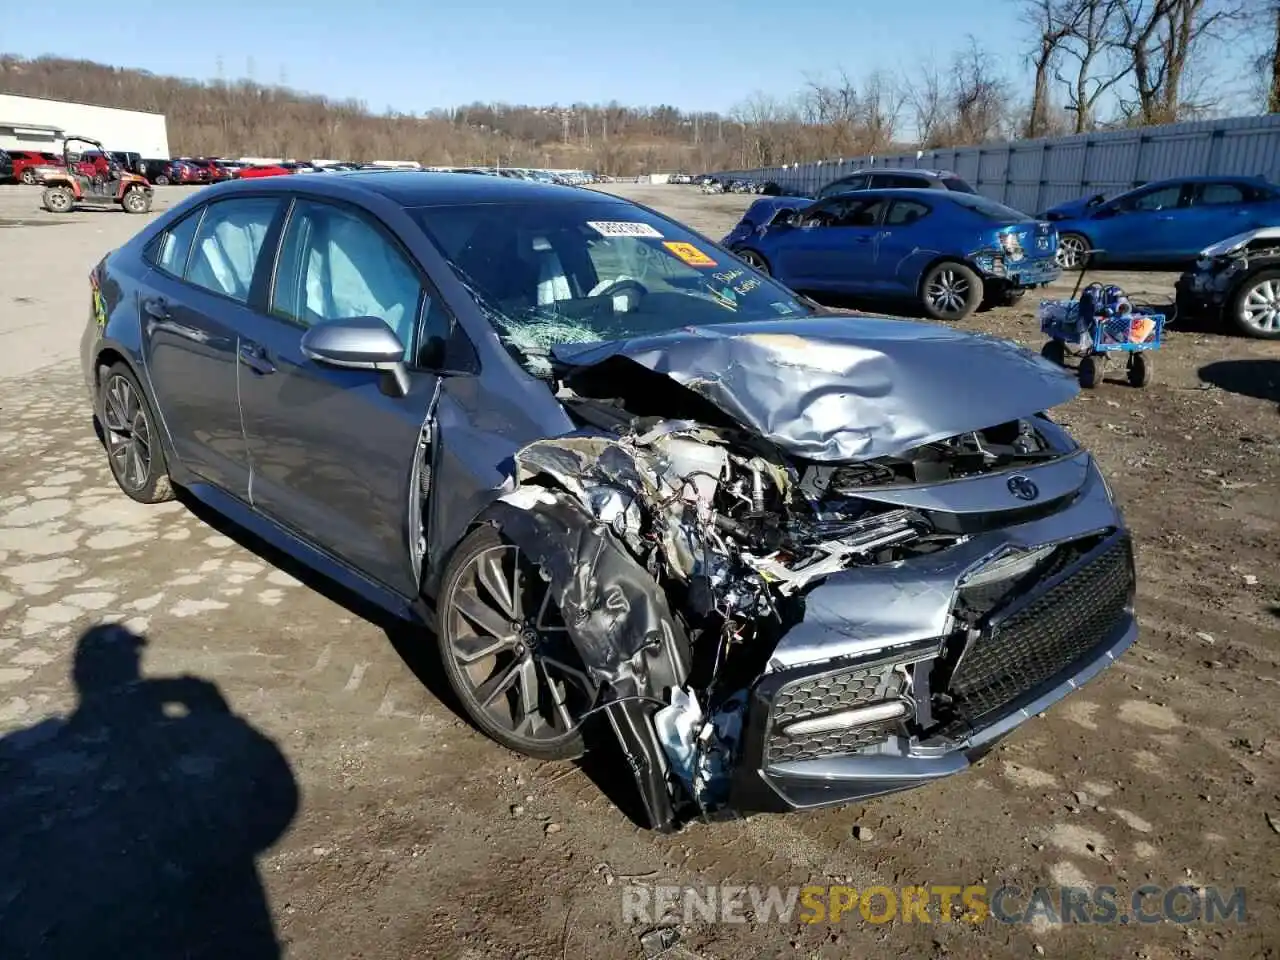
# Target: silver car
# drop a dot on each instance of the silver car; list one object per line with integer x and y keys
{"x": 784, "y": 558}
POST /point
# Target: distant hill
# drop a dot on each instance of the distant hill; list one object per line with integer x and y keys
{"x": 243, "y": 118}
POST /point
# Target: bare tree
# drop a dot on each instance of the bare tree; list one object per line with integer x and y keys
{"x": 880, "y": 110}
{"x": 1053, "y": 21}
{"x": 1094, "y": 68}
{"x": 978, "y": 95}
{"x": 1159, "y": 39}
{"x": 927, "y": 98}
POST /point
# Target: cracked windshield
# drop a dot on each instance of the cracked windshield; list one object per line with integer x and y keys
{"x": 549, "y": 274}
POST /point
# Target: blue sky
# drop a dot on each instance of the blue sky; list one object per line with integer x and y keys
{"x": 414, "y": 55}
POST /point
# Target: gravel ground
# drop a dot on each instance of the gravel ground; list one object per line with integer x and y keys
{"x": 342, "y": 801}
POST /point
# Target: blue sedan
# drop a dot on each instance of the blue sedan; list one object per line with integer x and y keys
{"x": 951, "y": 252}
{"x": 1165, "y": 223}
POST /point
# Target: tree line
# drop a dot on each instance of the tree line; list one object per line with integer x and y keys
{"x": 1093, "y": 64}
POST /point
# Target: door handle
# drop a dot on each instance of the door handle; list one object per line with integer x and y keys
{"x": 157, "y": 307}
{"x": 255, "y": 358}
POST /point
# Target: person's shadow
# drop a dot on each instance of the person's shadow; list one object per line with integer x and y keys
{"x": 130, "y": 828}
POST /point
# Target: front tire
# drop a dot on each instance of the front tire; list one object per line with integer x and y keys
{"x": 1255, "y": 306}
{"x": 755, "y": 261}
{"x": 1073, "y": 251}
{"x": 132, "y": 438}
{"x": 951, "y": 291}
{"x": 507, "y": 653}
{"x": 58, "y": 199}
{"x": 162, "y": 181}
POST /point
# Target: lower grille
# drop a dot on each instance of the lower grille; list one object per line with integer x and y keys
{"x": 815, "y": 696}
{"x": 1034, "y": 642}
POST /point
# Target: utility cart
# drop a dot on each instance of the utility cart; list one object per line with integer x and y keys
{"x": 1096, "y": 323}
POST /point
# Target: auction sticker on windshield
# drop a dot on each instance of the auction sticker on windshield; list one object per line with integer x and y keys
{"x": 623, "y": 228}
{"x": 689, "y": 254}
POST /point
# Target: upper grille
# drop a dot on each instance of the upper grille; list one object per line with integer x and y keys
{"x": 1038, "y": 640}
{"x": 819, "y": 695}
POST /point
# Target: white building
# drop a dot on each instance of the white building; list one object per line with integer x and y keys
{"x": 29, "y": 123}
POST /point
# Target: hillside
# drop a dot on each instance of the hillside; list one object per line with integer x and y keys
{"x": 245, "y": 118}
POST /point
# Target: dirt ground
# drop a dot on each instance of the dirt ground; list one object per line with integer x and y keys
{"x": 383, "y": 826}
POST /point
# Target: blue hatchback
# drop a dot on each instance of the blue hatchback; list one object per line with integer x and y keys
{"x": 1162, "y": 224}
{"x": 951, "y": 252}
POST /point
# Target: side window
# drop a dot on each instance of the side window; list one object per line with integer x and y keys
{"x": 905, "y": 212}
{"x": 864, "y": 213}
{"x": 1214, "y": 193}
{"x": 169, "y": 251}
{"x": 226, "y": 246}
{"x": 1162, "y": 198}
{"x": 824, "y": 214}
{"x": 335, "y": 265}
{"x": 844, "y": 185}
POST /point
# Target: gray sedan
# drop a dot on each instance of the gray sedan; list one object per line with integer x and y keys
{"x": 784, "y": 558}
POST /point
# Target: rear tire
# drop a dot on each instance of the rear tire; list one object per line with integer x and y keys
{"x": 1090, "y": 371}
{"x": 162, "y": 181}
{"x": 132, "y": 437}
{"x": 1055, "y": 351}
{"x": 59, "y": 199}
{"x": 135, "y": 200}
{"x": 951, "y": 291}
{"x": 28, "y": 177}
{"x": 1139, "y": 369}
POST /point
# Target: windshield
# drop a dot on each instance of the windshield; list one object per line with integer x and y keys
{"x": 988, "y": 208}
{"x": 574, "y": 272}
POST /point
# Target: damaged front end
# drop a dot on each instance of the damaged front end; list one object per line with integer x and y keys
{"x": 1220, "y": 268}
{"x": 809, "y": 562}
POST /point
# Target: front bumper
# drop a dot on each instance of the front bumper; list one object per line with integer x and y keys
{"x": 1198, "y": 291}
{"x": 1020, "y": 274}
{"x": 1028, "y": 653}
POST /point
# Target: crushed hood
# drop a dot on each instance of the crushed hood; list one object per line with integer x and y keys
{"x": 844, "y": 387}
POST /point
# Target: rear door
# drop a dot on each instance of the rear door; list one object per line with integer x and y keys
{"x": 332, "y": 450}
{"x": 1220, "y": 209}
{"x": 194, "y": 306}
{"x": 902, "y": 247}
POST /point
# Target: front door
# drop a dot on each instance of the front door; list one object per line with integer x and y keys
{"x": 333, "y": 451}
{"x": 1142, "y": 228}
{"x": 192, "y": 303}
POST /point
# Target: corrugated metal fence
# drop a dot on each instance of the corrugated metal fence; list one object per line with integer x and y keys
{"x": 1032, "y": 175}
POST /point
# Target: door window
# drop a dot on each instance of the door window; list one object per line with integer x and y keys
{"x": 336, "y": 265}
{"x": 225, "y": 251}
{"x": 1164, "y": 198}
{"x": 845, "y": 185}
{"x": 863, "y": 213}
{"x": 1217, "y": 193}
{"x": 905, "y": 212}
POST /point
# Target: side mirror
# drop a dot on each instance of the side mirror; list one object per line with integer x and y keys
{"x": 1096, "y": 199}
{"x": 358, "y": 343}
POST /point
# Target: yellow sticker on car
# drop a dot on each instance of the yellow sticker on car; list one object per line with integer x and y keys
{"x": 689, "y": 254}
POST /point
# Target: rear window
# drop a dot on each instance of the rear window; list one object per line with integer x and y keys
{"x": 958, "y": 185}
{"x": 989, "y": 209}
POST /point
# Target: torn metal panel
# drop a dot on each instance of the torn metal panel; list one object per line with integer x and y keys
{"x": 619, "y": 622}
{"x": 844, "y": 388}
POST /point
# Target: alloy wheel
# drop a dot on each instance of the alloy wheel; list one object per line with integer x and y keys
{"x": 1260, "y": 307}
{"x": 512, "y": 650}
{"x": 753, "y": 259}
{"x": 948, "y": 292}
{"x": 128, "y": 434}
{"x": 1071, "y": 252}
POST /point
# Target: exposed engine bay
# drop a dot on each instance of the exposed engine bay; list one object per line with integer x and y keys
{"x": 684, "y": 534}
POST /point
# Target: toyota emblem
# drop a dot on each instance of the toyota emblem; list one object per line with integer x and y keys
{"x": 1022, "y": 488}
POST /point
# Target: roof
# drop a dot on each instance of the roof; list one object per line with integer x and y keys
{"x": 920, "y": 170}
{"x": 420, "y": 188}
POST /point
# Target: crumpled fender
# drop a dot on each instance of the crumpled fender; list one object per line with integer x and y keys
{"x": 619, "y": 621}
